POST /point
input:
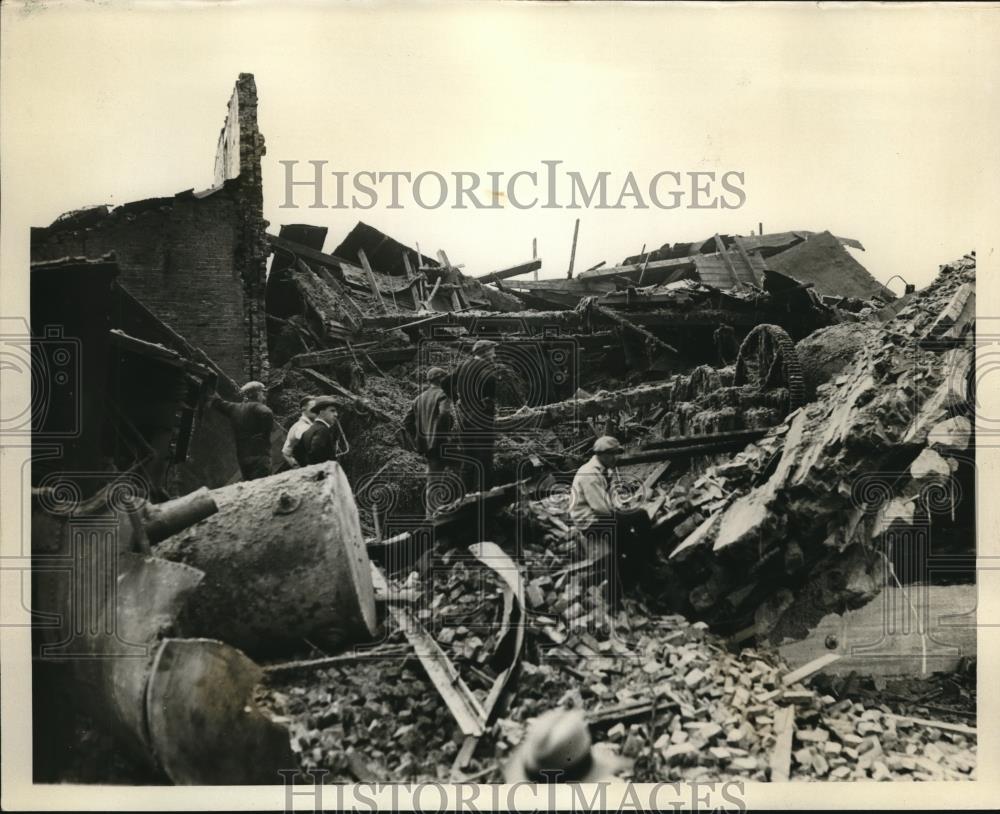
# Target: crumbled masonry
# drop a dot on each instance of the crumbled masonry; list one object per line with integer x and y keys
{"x": 801, "y": 439}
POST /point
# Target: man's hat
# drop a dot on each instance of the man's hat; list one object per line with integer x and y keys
{"x": 483, "y": 344}
{"x": 323, "y": 402}
{"x": 436, "y": 374}
{"x": 607, "y": 443}
{"x": 251, "y": 387}
{"x": 558, "y": 749}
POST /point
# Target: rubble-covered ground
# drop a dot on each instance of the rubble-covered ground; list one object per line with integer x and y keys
{"x": 678, "y": 700}
{"x": 671, "y": 696}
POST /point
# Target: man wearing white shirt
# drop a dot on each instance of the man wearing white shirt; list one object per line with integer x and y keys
{"x": 607, "y": 528}
{"x": 293, "y": 457}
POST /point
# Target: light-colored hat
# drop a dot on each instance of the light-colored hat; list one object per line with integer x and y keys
{"x": 483, "y": 344}
{"x": 607, "y": 443}
{"x": 251, "y": 387}
{"x": 435, "y": 374}
{"x": 558, "y": 749}
{"x": 323, "y": 402}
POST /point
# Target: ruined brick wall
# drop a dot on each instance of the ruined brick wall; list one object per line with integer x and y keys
{"x": 197, "y": 262}
{"x": 237, "y": 160}
{"x": 179, "y": 257}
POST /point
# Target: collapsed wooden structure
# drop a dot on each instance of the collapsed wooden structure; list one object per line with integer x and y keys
{"x": 786, "y": 489}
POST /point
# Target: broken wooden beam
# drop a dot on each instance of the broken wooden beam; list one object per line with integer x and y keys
{"x": 549, "y": 415}
{"x": 484, "y": 321}
{"x": 338, "y": 356}
{"x": 781, "y": 756}
{"x": 472, "y": 506}
{"x": 734, "y": 436}
{"x": 657, "y": 271}
{"x": 304, "y": 252}
{"x": 371, "y": 280}
{"x": 572, "y": 251}
{"x": 329, "y": 314}
{"x": 512, "y": 271}
{"x": 286, "y": 669}
{"x": 809, "y": 669}
{"x": 463, "y": 705}
{"x": 710, "y": 445}
{"x": 626, "y": 711}
{"x": 363, "y": 404}
{"x": 618, "y": 319}
{"x": 945, "y": 726}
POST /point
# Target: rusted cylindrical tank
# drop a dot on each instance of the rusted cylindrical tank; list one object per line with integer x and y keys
{"x": 103, "y": 617}
{"x": 284, "y": 561}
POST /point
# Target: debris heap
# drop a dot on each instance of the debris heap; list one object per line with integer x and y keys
{"x": 668, "y": 694}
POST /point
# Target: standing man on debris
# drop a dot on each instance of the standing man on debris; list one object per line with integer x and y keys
{"x": 607, "y": 528}
{"x": 293, "y": 452}
{"x": 252, "y": 421}
{"x": 325, "y": 439}
{"x": 473, "y": 386}
{"x": 429, "y": 423}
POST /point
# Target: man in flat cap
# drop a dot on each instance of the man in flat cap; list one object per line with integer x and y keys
{"x": 252, "y": 421}
{"x": 557, "y": 748}
{"x": 473, "y": 386}
{"x": 430, "y": 423}
{"x": 607, "y": 527}
{"x": 324, "y": 440}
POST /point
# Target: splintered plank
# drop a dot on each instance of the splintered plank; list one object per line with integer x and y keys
{"x": 781, "y": 757}
{"x": 512, "y": 271}
{"x": 618, "y": 319}
{"x": 807, "y": 670}
{"x": 371, "y": 280}
{"x": 363, "y": 404}
{"x": 942, "y": 725}
{"x": 463, "y": 705}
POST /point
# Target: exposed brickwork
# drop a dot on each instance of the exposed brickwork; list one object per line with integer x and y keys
{"x": 178, "y": 257}
{"x": 241, "y": 133}
{"x": 197, "y": 263}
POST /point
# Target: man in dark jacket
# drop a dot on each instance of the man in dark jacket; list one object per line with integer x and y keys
{"x": 430, "y": 423}
{"x": 322, "y": 441}
{"x": 252, "y": 421}
{"x": 473, "y": 386}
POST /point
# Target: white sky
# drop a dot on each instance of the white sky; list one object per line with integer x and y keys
{"x": 877, "y": 123}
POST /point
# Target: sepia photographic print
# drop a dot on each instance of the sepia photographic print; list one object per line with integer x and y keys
{"x": 478, "y": 406}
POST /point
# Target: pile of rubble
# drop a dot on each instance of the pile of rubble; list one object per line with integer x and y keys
{"x": 811, "y": 513}
{"x": 669, "y": 695}
{"x": 672, "y": 696}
